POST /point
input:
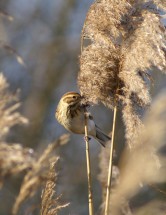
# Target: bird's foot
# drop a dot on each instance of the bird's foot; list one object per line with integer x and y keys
{"x": 86, "y": 138}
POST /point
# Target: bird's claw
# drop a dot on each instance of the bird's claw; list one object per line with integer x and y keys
{"x": 86, "y": 138}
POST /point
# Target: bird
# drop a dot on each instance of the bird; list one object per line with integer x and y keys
{"x": 70, "y": 113}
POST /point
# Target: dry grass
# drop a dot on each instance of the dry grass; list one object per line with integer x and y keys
{"x": 38, "y": 174}
{"x": 9, "y": 116}
{"x": 18, "y": 158}
{"x": 123, "y": 42}
{"x": 99, "y": 61}
{"x": 145, "y": 164}
{"x": 15, "y": 158}
{"x": 127, "y": 41}
{"x": 50, "y": 204}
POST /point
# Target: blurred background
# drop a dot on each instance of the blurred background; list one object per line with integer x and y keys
{"x": 46, "y": 34}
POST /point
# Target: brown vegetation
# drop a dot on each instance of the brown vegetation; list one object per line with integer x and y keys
{"x": 123, "y": 42}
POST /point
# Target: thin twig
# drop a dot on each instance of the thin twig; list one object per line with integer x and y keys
{"x": 110, "y": 164}
{"x": 90, "y": 196}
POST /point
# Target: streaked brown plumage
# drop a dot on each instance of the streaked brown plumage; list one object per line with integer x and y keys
{"x": 70, "y": 114}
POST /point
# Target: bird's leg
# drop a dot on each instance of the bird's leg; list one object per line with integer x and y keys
{"x": 86, "y": 138}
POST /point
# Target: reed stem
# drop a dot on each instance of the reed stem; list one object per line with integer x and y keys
{"x": 110, "y": 164}
{"x": 90, "y": 196}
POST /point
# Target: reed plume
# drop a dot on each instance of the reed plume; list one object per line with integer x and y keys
{"x": 14, "y": 158}
{"x": 50, "y": 204}
{"x": 124, "y": 41}
{"x": 147, "y": 154}
{"x": 38, "y": 174}
{"x": 99, "y": 61}
{"x": 143, "y": 51}
{"x": 9, "y": 104}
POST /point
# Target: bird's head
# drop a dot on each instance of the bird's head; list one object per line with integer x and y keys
{"x": 71, "y": 98}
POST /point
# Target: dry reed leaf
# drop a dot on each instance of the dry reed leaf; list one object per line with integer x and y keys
{"x": 38, "y": 174}
{"x": 145, "y": 164}
{"x": 50, "y": 204}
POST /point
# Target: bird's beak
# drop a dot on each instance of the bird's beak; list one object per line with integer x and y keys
{"x": 82, "y": 97}
{"x": 84, "y": 102}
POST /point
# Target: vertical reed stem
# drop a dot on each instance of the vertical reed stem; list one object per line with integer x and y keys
{"x": 110, "y": 164}
{"x": 90, "y": 196}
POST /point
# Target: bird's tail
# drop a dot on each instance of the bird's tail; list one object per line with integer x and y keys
{"x": 101, "y": 137}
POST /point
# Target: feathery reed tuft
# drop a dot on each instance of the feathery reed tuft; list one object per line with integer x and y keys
{"x": 125, "y": 42}
{"x": 38, "y": 174}
{"x": 145, "y": 156}
{"x": 8, "y": 109}
{"x": 99, "y": 61}
{"x": 50, "y": 204}
{"x": 18, "y": 158}
{"x": 14, "y": 159}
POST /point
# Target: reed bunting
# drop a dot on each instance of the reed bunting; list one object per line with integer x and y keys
{"x": 70, "y": 114}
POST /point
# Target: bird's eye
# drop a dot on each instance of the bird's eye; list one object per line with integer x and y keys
{"x": 74, "y": 97}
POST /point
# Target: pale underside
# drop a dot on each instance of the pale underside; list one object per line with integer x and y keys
{"x": 76, "y": 123}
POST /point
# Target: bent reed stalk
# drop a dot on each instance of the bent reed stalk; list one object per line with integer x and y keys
{"x": 90, "y": 196}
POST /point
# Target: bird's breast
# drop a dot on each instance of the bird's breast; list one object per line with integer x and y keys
{"x": 77, "y": 125}
{"x": 73, "y": 120}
